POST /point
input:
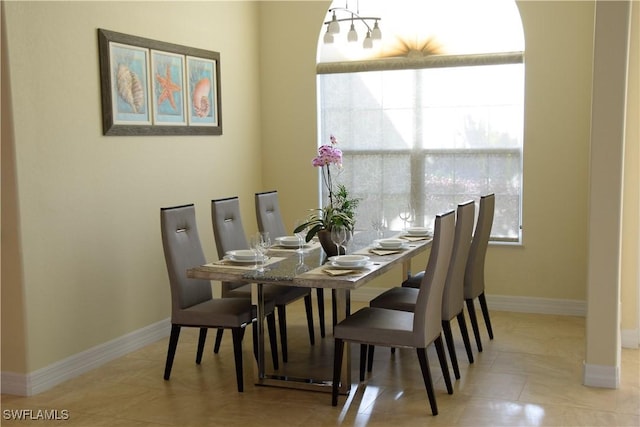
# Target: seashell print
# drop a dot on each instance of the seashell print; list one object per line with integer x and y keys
{"x": 129, "y": 87}
{"x": 203, "y": 109}
{"x": 201, "y": 97}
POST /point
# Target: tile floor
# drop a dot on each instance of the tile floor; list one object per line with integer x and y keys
{"x": 529, "y": 375}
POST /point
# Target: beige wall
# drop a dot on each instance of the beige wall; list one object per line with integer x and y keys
{"x": 82, "y": 261}
{"x": 91, "y": 267}
{"x": 630, "y": 269}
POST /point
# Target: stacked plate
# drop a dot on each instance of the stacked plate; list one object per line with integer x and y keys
{"x": 418, "y": 231}
{"x": 244, "y": 256}
{"x": 391, "y": 244}
{"x": 288, "y": 241}
{"x": 350, "y": 261}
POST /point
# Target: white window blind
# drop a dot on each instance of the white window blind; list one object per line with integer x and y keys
{"x": 434, "y": 134}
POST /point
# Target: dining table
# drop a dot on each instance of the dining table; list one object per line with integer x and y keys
{"x": 311, "y": 268}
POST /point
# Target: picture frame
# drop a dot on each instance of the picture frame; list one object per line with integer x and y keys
{"x": 168, "y": 88}
{"x": 201, "y": 73}
{"x": 151, "y": 87}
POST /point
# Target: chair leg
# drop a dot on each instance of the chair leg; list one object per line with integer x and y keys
{"x": 237, "y": 353}
{"x": 337, "y": 368}
{"x": 474, "y": 323}
{"x": 309, "y": 310}
{"x": 426, "y": 376}
{"x": 363, "y": 360}
{"x": 254, "y": 338}
{"x": 448, "y": 336}
{"x": 171, "y": 352}
{"x": 334, "y": 318}
{"x": 370, "y": 357}
{"x": 273, "y": 340}
{"x": 443, "y": 363}
{"x": 465, "y": 335}
{"x": 485, "y": 314}
{"x": 202, "y": 338}
{"x": 334, "y": 307}
{"x": 282, "y": 324}
{"x": 216, "y": 346}
{"x": 320, "y": 294}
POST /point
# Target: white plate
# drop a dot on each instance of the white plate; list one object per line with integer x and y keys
{"x": 337, "y": 266}
{"x": 390, "y": 243}
{"x": 242, "y": 261}
{"x": 288, "y": 241}
{"x": 418, "y": 231}
{"x": 349, "y": 260}
{"x": 405, "y": 245}
{"x": 243, "y": 255}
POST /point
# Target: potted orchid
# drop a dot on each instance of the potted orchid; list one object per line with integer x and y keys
{"x": 341, "y": 207}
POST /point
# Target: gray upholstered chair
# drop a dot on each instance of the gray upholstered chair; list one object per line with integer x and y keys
{"x": 404, "y": 298}
{"x": 192, "y": 304}
{"x": 268, "y": 214}
{"x": 229, "y": 235}
{"x": 474, "y": 273}
{"x": 395, "y": 328}
{"x": 270, "y": 219}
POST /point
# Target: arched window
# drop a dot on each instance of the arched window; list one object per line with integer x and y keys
{"x": 432, "y": 114}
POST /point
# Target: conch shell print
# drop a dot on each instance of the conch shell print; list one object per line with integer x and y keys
{"x": 130, "y": 88}
{"x": 201, "y": 103}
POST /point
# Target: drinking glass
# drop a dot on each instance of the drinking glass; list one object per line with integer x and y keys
{"x": 338, "y": 236}
{"x": 348, "y": 237}
{"x": 406, "y": 214}
{"x": 255, "y": 247}
{"x": 262, "y": 243}
{"x": 300, "y": 234}
{"x": 379, "y": 224}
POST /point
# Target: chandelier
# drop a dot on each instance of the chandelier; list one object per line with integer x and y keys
{"x": 333, "y": 26}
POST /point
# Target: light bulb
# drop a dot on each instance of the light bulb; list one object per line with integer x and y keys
{"x": 368, "y": 43}
{"x": 334, "y": 26}
{"x": 328, "y": 37}
{"x": 352, "y": 36}
{"x": 376, "y": 34}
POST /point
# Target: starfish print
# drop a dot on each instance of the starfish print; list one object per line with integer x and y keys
{"x": 168, "y": 87}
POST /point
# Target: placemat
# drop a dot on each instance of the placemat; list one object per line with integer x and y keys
{"x": 242, "y": 266}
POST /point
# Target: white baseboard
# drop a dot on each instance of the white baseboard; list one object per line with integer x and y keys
{"x": 505, "y": 303}
{"x": 601, "y": 376}
{"x": 58, "y": 372}
{"x": 567, "y": 307}
{"x": 63, "y": 370}
{"x": 630, "y": 338}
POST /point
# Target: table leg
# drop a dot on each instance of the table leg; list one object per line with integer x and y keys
{"x": 342, "y": 311}
{"x": 257, "y": 299}
{"x": 406, "y": 269}
{"x": 287, "y": 381}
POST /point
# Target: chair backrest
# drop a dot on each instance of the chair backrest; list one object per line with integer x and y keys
{"x": 228, "y": 230}
{"x": 268, "y": 214}
{"x": 182, "y": 250}
{"x": 474, "y": 272}
{"x": 427, "y": 317}
{"x": 453, "y": 294}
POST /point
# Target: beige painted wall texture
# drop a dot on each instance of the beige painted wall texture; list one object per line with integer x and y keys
{"x": 630, "y": 293}
{"x": 91, "y": 267}
{"x": 85, "y": 207}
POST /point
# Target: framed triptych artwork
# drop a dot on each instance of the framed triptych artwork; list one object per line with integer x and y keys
{"x": 157, "y": 88}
